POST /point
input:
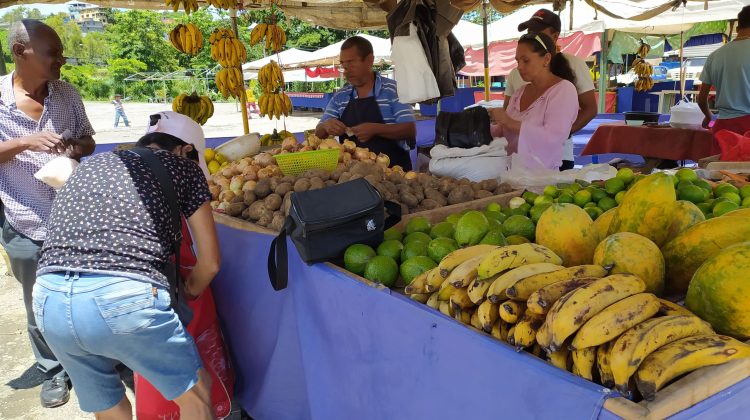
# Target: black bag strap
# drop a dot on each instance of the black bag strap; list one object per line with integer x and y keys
{"x": 394, "y": 214}
{"x": 278, "y": 259}
{"x": 165, "y": 181}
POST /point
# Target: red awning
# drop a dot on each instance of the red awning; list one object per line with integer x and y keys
{"x": 320, "y": 71}
{"x": 503, "y": 53}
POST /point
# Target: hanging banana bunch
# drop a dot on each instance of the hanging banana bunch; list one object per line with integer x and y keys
{"x": 226, "y": 49}
{"x": 230, "y": 82}
{"x": 223, "y": 4}
{"x": 274, "y": 36}
{"x": 189, "y": 5}
{"x": 274, "y": 105}
{"x": 270, "y": 77}
{"x": 643, "y": 69}
{"x": 199, "y": 108}
{"x": 186, "y": 38}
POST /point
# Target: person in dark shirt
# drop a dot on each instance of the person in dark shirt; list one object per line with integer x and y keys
{"x": 101, "y": 294}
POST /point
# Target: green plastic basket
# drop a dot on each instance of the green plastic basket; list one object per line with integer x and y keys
{"x": 298, "y": 162}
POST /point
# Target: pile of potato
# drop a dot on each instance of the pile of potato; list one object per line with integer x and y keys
{"x": 255, "y": 189}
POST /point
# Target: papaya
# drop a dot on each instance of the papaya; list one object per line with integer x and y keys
{"x": 685, "y": 253}
{"x": 719, "y": 291}
{"x": 685, "y": 214}
{"x": 569, "y": 232}
{"x": 602, "y": 223}
{"x": 647, "y": 208}
{"x": 629, "y": 252}
{"x": 739, "y": 212}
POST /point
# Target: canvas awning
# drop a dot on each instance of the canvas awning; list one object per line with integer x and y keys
{"x": 329, "y": 56}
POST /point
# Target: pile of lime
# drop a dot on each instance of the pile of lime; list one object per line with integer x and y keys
{"x": 713, "y": 201}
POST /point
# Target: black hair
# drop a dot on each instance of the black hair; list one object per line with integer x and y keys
{"x": 363, "y": 46}
{"x": 743, "y": 18}
{"x": 559, "y": 64}
{"x": 166, "y": 142}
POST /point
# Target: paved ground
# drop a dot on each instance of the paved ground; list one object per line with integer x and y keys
{"x": 226, "y": 121}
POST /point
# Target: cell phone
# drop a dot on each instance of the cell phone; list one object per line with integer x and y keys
{"x": 66, "y": 135}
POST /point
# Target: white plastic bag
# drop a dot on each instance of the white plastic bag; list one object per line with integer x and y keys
{"x": 532, "y": 177}
{"x": 414, "y": 78}
{"x": 686, "y": 114}
{"x": 476, "y": 164}
{"x": 55, "y": 172}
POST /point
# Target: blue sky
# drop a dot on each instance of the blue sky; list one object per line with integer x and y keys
{"x": 44, "y": 8}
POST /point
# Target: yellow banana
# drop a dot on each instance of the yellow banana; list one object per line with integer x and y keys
{"x": 522, "y": 289}
{"x": 287, "y": 104}
{"x": 433, "y": 301}
{"x": 487, "y": 312}
{"x": 542, "y": 300}
{"x": 417, "y": 285}
{"x": 544, "y": 337}
{"x": 583, "y": 362}
{"x": 258, "y": 32}
{"x": 496, "y": 292}
{"x": 512, "y": 256}
{"x": 635, "y": 344}
{"x": 465, "y": 273}
{"x": 420, "y": 297}
{"x": 670, "y": 308}
{"x": 615, "y": 320}
{"x": 474, "y": 321}
{"x": 183, "y": 37}
{"x": 559, "y": 358}
{"x": 525, "y": 332}
{"x": 461, "y": 316}
{"x": 478, "y": 289}
{"x": 445, "y": 308}
{"x": 603, "y": 354}
{"x": 511, "y": 311}
{"x": 571, "y": 311}
{"x": 458, "y": 256}
{"x": 460, "y": 299}
{"x": 434, "y": 280}
{"x": 497, "y": 329}
{"x": 445, "y": 291}
{"x": 683, "y": 356}
{"x": 187, "y": 40}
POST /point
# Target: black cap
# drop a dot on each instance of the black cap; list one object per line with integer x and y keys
{"x": 541, "y": 20}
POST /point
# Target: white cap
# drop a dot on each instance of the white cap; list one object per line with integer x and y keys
{"x": 182, "y": 127}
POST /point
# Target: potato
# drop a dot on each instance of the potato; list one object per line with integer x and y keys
{"x": 226, "y": 196}
{"x": 404, "y": 209}
{"x": 215, "y": 190}
{"x": 336, "y": 174}
{"x": 395, "y": 178}
{"x": 445, "y": 185}
{"x": 372, "y": 179}
{"x": 482, "y": 194}
{"x": 246, "y": 214}
{"x": 249, "y": 186}
{"x": 329, "y": 183}
{"x": 283, "y": 188}
{"x": 315, "y": 173}
{"x": 289, "y": 179}
{"x": 349, "y": 146}
{"x": 274, "y": 183}
{"x": 476, "y": 186}
{"x": 411, "y": 175}
{"x": 263, "y": 188}
{"x": 251, "y": 173}
{"x": 214, "y": 204}
{"x": 277, "y": 223}
{"x": 238, "y": 199}
{"x": 264, "y": 159}
{"x": 228, "y": 172}
{"x": 429, "y": 204}
{"x": 409, "y": 199}
{"x": 266, "y": 172}
{"x": 503, "y": 188}
{"x": 272, "y": 202}
{"x": 461, "y": 194}
{"x": 390, "y": 187}
{"x": 345, "y": 177}
{"x": 489, "y": 184}
{"x": 361, "y": 168}
{"x": 286, "y": 203}
{"x": 236, "y": 209}
{"x": 346, "y": 157}
{"x": 418, "y": 192}
{"x": 256, "y": 210}
{"x": 265, "y": 218}
{"x": 302, "y": 184}
{"x": 290, "y": 144}
{"x": 316, "y": 183}
{"x": 249, "y": 197}
{"x": 436, "y": 196}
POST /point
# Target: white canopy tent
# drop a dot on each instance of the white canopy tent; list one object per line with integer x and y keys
{"x": 468, "y": 33}
{"x": 287, "y": 56}
{"x": 329, "y": 56}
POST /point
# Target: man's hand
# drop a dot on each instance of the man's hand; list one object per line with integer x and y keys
{"x": 707, "y": 120}
{"x": 44, "y": 141}
{"x": 193, "y": 289}
{"x": 334, "y": 127}
{"x": 366, "y": 131}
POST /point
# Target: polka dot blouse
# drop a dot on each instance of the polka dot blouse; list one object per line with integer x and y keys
{"x": 111, "y": 216}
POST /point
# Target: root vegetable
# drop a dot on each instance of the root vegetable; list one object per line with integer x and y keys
{"x": 349, "y": 146}
{"x": 277, "y": 223}
{"x": 461, "y": 194}
{"x": 302, "y": 185}
{"x": 265, "y": 218}
{"x": 411, "y": 175}
{"x": 249, "y": 197}
{"x": 290, "y": 144}
{"x": 256, "y": 210}
{"x": 383, "y": 160}
{"x": 408, "y": 199}
{"x": 283, "y": 188}
{"x": 236, "y": 209}
{"x": 264, "y": 159}
{"x": 489, "y": 184}
{"x": 262, "y": 188}
{"x": 215, "y": 190}
{"x": 316, "y": 183}
{"x": 272, "y": 202}
{"x": 429, "y": 204}
{"x": 482, "y": 194}
{"x": 361, "y": 154}
{"x": 226, "y": 196}
{"x": 435, "y": 195}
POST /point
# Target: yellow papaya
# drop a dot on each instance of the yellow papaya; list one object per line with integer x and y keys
{"x": 739, "y": 212}
{"x": 602, "y": 223}
{"x": 685, "y": 214}
{"x": 647, "y": 208}
{"x": 569, "y": 232}
{"x": 719, "y": 291}
{"x": 631, "y": 253}
{"x": 685, "y": 253}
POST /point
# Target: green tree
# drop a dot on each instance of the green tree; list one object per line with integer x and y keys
{"x": 120, "y": 68}
{"x": 69, "y": 33}
{"x": 95, "y": 48}
{"x": 475, "y": 16}
{"x": 21, "y": 12}
{"x": 141, "y": 35}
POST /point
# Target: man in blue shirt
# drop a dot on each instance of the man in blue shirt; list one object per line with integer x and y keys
{"x": 367, "y": 110}
{"x": 728, "y": 70}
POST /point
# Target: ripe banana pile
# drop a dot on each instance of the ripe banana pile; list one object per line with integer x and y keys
{"x": 229, "y": 81}
{"x": 186, "y": 38}
{"x": 270, "y": 77}
{"x": 602, "y": 327}
{"x": 273, "y": 102}
{"x": 642, "y": 69}
{"x": 226, "y": 49}
{"x": 223, "y": 4}
{"x": 272, "y": 33}
{"x": 199, "y": 108}
{"x": 189, "y": 5}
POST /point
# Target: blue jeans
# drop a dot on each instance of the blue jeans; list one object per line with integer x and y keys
{"x": 121, "y": 113}
{"x": 92, "y": 321}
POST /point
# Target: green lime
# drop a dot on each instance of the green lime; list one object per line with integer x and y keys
{"x": 596, "y": 193}
{"x": 392, "y": 234}
{"x": 716, "y": 201}
{"x": 494, "y": 207}
{"x": 442, "y": 230}
{"x": 593, "y": 212}
{"x": 589, "y": 204}
{"x": 686, "y": 174}
{"x": 746, "y": 202}
{"x": 524, "y": 209}
{"x": 413, "y": 267}
{"x": 529, "y": 196}
{"x": 733, "y": 197}
{"x": 626, "y": 175}
{"x": 725, "y": 188}
{"x": 536, "y": 212}
{"x": 565, "y": 198}
{"x": 581, "y": 198}
{"x": 453, "y": 218}
{"x": 692, "y": 193}
{"x": 417, "y": 237}
{"x": 551, "y": 191}
{"x": 519, "y": 225}
{"x": 493, "y": 215}
{"x": 725, "y": 207}
{"x": 674, "y": 179}
{"x": 494, "y": 237}
{"x": 382, "y": 269}
{"x": 471, "y": 228}
{"x": 705, "y": 207}
{"x": 516, "y": 202}
{"x": 683, "y": 184}
{"x": 413, "y": 249}
{"x": 607, "y": 203}
{"x": 619, "y": 197}
{"x": 438, "y": 248}
{"x": 575, "y": 187}
{"x": 703, "y": 184}
{"x": 418, "y": 224}
{"x": 357, "y": 256}
{"x": 391, "y": 248}
{"x": 614, "y": 185}
{"x": 516, "y": 240}
{"x": 745, "y": 191}
{"x": 582, "y": 183}
{"x": 543, "y": 199}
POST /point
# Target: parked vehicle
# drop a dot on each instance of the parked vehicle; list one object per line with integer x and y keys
{"x": 692, "y": 68}
{"x": 660, "y": 73}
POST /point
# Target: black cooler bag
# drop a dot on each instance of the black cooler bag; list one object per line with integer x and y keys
{"x": 323, "y": 223}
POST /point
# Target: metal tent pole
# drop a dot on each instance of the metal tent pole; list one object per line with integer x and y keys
{"x": 603, "y": 74}
{"x": 487, "y": 81}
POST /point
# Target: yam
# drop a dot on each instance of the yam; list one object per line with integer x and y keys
{"x": 409, "y": 199}
{"x": 283, "y": 188}
{"x": 460, "y": 194}
{"x": 302, "y": 185}
{"x": 277, "y": 223}
{"x": 263, "y": 188}
{"x": 436, "y": 196}
{"x": 249, "y": 186}
{"x": 482, "y": 194}
{"x": 272, "y": 202}
{"x": 256, "y": 210}
{"x": 226, "y": 196}
{"x": 249, "y": 197}
{"x": 429, "y": 204}
{"x": 215, "y": 190}
{"x": 489, "y": 184}
{"x": 316, "y": 183}
{"x": 265, "y": 218}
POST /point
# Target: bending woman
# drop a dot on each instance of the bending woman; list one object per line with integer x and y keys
{"x": 540, "y": 114}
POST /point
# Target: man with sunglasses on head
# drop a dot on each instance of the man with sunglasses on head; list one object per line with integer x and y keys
{"x": 367, "y": 110}
{"x": 41, "y": 117}
{"x": 548, "y": 23}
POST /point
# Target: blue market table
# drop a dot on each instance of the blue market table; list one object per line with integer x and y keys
{"x": 332, "y": 346}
